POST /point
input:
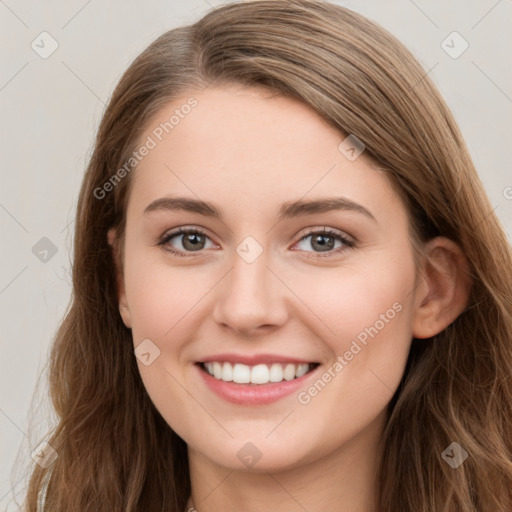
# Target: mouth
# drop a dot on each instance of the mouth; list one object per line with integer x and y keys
{"x": 258, "y": 374}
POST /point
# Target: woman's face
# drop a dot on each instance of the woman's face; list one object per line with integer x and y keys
{"x": 255, "y": 291}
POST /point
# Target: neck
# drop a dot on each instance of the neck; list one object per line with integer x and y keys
{"x": 342, "y": 480}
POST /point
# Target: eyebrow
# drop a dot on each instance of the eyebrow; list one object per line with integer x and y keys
{"x": 289, "y": 209}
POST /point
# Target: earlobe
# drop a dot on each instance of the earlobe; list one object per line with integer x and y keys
{"x": 124, "y": 310}
{"x": 125, "y": 315}
{"x": 444, "y": 292}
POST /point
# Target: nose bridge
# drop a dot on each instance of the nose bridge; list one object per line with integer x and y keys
{"x": 250, "y": 296}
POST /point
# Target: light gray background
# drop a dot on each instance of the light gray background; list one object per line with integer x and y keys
{"x": 50, "y": 109}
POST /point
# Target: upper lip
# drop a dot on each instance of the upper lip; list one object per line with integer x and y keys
{"x": 253, "y": 360}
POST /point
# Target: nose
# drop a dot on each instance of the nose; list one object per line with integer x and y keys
{"x": 251, "y": 297}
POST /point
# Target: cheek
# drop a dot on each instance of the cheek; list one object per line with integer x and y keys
{"x": 161, "y": 300}
{"x": 364, "y": 300}
{"x": 160, "y": 296}
{"x": 367, "y": 309}
{"x": 365, "y": 320}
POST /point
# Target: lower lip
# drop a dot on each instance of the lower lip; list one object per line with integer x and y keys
{"x": 253, "y": 394}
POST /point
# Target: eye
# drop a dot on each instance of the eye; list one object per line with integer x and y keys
{"x": 194, "y": 240}
{"x": 325, "y": 240}
{"x": 190, "y": 239}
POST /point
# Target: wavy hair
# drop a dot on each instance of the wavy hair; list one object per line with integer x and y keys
{"x": 115, "y": 451}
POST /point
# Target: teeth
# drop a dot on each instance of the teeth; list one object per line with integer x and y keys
{"x": 276, "y": 373}
{"x": 302, "y": 369}
{"x": 241, "y": 374}
{"x": 258, "y": 374}
{"x": 217, "y": 370}
{"x": 227, "y": 372}
{"x": 289, "y": 372}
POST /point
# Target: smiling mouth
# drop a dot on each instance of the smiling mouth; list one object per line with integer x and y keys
{"x": 258, "y": 374}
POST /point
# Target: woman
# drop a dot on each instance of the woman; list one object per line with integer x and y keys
{"x": 342, "y": 338}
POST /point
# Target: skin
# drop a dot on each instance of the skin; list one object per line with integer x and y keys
{"x": 248, "y": 150}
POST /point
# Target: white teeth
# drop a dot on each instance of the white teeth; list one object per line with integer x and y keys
{"x": 289, "y": 372}
{"x": 227, "y": 372}
{"x": 276, "y": 373}
{"x": 302, "y": 369}
{"x": 258, "y": 374}
{"x": 241, "y": 374}
{"x": 217, "y": 370}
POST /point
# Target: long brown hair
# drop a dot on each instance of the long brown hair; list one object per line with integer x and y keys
{"x": 115, "y": 451}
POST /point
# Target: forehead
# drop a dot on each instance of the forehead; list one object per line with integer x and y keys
{"x": 235, "y": 121}
{"x": 248, "y": 146}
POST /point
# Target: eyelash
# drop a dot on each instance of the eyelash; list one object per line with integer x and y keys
{"x": 347, "y": 244}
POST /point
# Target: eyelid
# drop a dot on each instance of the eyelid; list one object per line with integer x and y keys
{"x": 328, "y": 230}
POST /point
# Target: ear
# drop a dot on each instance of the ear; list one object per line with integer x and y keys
{"x": 445, "y": 288}
{"x": 121, "y": 291}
